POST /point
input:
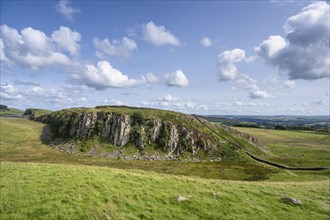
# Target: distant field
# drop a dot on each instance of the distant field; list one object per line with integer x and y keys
{"x": 294, "y": 148}
{"x": 38, "y": 182}
{"x": 11, "y": 111}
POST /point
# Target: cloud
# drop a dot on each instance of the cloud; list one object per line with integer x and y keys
{"x": 238, "y": 103}
{"x": 206, "y": 42}
{"x": 31, "y": 49}
{"x": 103, "y": 75}
{"x": 271, "y": 81}
{"x": 75, "y": 89}
{"x": 67, "y": 40}
{"x": 251, "y": 86}
{"x": 124, "y": 48}
{"x": 9, "y": 92}
{"x": 324, "y": 100}
{"x": 26, "y": 83}
{"x": 40, "y": 94}
{"x": 150, "y": 78}
{"x": 173, "y": 103}
{"x": 114, "y": 102}
{"x": 271, "y": 47}
{"x": 168, "y": 98}
{"x": 2, "y": 53}
{"x": 289, "y": 84}
{"x": 177, "y": 79}
{"x": 256, "y": 93}
{"x": 83, "y": 99}
{"x": 158, "y": 35}
{"x": 304, "y": 52}
{"x": 250, "y": 59}
{"x": 227, "y": 71}
{"x": 66, "y": 10}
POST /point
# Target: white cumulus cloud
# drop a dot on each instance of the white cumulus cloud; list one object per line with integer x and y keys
{"x": 177, "y": 78}
{"x": 124, "y": 48}
{"x": 31, "y": 49}
{"x": 67, "y": 40}
{"x": 304, "y": 52}
{"x": 103, "y": 75}
{"x": 158, "y": 35}
{"x": 227, "y": 71}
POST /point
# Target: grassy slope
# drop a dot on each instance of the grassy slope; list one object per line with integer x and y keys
{"x": 45, "y": 191}
{"x": 294, "y": 148}
{"x": 11, "y": 111}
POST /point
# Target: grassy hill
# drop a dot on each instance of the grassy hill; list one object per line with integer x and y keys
{"x": 39, "y": 182}
{"x": 121, "y": 131}
{"x": 11, "y": 111}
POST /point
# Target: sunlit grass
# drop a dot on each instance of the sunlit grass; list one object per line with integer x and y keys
{"x": 45, "y": 191}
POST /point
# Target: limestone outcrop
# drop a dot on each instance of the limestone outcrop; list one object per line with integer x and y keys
{"x": 121, "y": 129}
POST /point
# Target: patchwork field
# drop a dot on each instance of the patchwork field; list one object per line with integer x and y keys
{"x": 38, "y": 182}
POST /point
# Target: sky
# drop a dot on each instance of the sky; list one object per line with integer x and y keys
{"x": 205, "y": 57}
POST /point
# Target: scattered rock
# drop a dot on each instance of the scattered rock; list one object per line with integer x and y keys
{"x": 182, "y": 198}
{"x": 292, "y": 201}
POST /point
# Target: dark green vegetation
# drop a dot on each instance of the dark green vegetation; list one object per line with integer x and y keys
{"x": 4, "y": 110}
{"x": 114, "y": 131}
{"x": 308, "y": 123}
{"x": 39, "y": 182}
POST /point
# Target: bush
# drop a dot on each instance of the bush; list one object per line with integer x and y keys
{"x": 138, "y": 118}
{"x": 3, "y": 106}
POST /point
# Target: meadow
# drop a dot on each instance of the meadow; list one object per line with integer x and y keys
{"x": 294, "y": 148}
{"x": 38, "y": 182}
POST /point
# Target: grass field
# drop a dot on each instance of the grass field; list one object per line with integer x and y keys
{"x": 50, "y": 191}
{"x": 294, "y": 148}
{"x": 11, "y": 111}
{"x": 38, "y": 182}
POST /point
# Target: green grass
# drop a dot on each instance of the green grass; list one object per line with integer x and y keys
{"x": 11, "y": 111}
{"x": 40, "y": 112}
{"x": 38, "y": 182}
{"x": 20, "y": 142}
{"x": 294, "y": 148}
{"x": 46, "y": 191}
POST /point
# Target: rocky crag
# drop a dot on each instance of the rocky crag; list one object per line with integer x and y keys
{"x": 172, "y": 134}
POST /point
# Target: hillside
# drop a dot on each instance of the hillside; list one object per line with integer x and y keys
{"x": 136, "y": 133}
{"x": 49, "y": 191}
{"x": 5, "y": 110}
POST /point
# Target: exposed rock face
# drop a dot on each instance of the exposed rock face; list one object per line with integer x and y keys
{"x": 120, "y": 129}
{"x": 29, "y": 111}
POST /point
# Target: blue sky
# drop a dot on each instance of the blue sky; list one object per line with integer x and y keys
{"x": 205, "y": 57}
